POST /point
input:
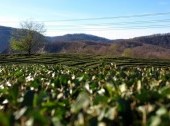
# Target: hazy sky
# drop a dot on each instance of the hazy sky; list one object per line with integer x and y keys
{"x": 107, "y": 18}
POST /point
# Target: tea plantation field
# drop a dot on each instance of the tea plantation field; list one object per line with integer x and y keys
{"x": 83, "y": 90}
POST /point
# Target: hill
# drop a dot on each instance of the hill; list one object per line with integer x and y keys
{"x": 153, "y": 46}
{"x": 84, "y": 47}
{"x": 77, "y": 37}
{"x": 119, "y": 49}
{"x": 5, "y": 33}
{"x": 162, "y": 40}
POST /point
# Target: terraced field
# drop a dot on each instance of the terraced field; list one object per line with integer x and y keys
{"x": 83, "y": 90}
{"x": 80, "y": 61}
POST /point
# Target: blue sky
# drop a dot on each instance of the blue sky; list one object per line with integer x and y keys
{"x": 57, "y": 16}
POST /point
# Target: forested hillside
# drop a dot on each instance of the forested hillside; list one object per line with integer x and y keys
{"x": 153, "y": 46}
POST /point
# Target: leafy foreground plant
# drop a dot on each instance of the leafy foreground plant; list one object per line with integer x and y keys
{"x": 104, "y": 96}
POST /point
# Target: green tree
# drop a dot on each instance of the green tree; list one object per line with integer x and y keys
{"x": 29, "y": 38}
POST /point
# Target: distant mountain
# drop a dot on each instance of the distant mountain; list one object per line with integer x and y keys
{"x": 162, "y": 40}
{"x": 5, "y": 34}
{"x": 153, "y": 46}
{"x": 78, "y": 37}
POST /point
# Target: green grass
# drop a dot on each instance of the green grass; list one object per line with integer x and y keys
{"x": 83, "y": 90}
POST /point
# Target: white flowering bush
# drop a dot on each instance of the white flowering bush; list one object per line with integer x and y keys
{"x": 107, "y": 95}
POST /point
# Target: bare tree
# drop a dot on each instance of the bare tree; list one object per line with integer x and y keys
{"x": 29, "y": 38}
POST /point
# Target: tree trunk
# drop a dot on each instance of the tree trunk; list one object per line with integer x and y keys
{"x": 29, "y": 52}
{"x": 29, "y": 49}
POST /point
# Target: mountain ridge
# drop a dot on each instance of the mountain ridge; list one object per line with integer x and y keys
{"x": 152, "y": 46}
{"x": 5, "y": 34}
{"x": 78, "y": 37}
